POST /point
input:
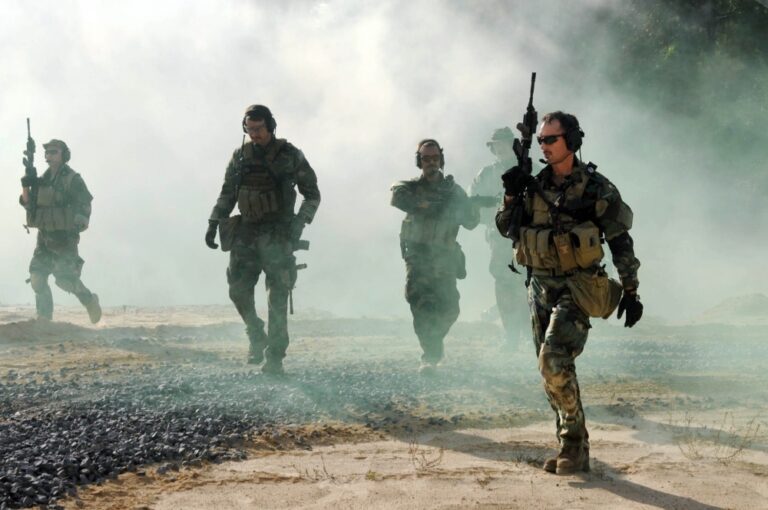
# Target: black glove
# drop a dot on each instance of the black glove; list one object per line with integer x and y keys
{"x": 630, "y": 302}
{"x": 295, "y": 229}
{"x": 515, "y": 181}
{"x": 210, "y": 235}
{"x": 28, "y": 181}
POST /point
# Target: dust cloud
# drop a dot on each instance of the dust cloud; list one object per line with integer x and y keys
{"x": 149, "y": 96}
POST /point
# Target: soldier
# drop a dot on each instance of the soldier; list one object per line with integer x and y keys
{"x": 436, "y": 207}
{"x": 261, "y": 178}
{"x": 58, "y": 204}
{"x": 568, "y": 211}
{"x": 510, "y": 293}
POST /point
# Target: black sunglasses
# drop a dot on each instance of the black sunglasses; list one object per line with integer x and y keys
{"x": 548, "y": 140}
{"x": 51, "y": 151}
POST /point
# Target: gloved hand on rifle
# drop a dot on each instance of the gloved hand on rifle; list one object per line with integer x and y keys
{"x": 295, "y": 229}
{"x": 515, "y": 181}
{"x": 630, "y": 303}
{"x": 28, "y": 181}
{"x": 210, "y": 235}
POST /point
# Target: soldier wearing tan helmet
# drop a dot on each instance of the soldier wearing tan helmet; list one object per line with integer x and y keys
{"x": 511, "y": 299}
{"x": 60, "y": 212}
{"x": 261, "y": 179}
{"x": 436, "y": 207}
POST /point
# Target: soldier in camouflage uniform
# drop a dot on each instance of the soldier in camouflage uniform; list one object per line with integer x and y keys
{"x": 569, "y": 210}
{"x": 510, "y": 293}
{"x": 436, "y": 207}
{"x": 261, "y": 178}
{"x": 60, "y": 212}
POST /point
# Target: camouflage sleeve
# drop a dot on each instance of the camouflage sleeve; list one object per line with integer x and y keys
{"x": 623, "y": 253}
{"x": 228, "y": 195}
{"x": 614, "y": 217}
{"x": 80, "y": 199}
{"x": 402, "y": 197}
{"x": 306, "y": 180}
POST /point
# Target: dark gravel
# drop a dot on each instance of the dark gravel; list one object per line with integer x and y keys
{"x": 67, "y": 428}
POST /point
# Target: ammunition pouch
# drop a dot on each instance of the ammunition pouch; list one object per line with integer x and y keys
{"x": 542, "y": 248}
{"x": 258, "y": 204}
{"x": 228, "y": 231}
{"x": 594, "y": 293}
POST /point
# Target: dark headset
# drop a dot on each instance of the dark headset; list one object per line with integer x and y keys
{"x": 429, "y": 141}
{"x": 573, "y": 135}
{"x": 258, "y": 111}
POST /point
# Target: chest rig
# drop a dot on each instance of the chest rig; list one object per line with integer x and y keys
{"x": 265, "y": 190}
{"x": 52, "y": 210}
{"x": 561, "y": 236}
{"x": 431, "y": 227}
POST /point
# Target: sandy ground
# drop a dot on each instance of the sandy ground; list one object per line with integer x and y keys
{"x": 714, "y": 458}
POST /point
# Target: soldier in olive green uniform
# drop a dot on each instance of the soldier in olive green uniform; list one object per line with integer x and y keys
{"x": 58, "y": 204}
{"x": 436, "y": 207}
{"x": 568, "y": 211}
{"x": 261, "y": 179}
{"x": 510, "y": 294}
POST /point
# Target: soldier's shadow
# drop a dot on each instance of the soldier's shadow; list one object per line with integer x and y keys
{"x": 602, "y": 476}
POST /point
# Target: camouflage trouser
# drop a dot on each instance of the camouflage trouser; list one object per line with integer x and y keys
{"x": 431, "y": 291}
{"x": 559, "y": 331}
{"x": 56, "y": 253}
{"x": 510, "y": 290}
{"x": 251, "y": 254}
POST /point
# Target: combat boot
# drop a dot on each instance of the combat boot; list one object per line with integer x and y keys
{"x": 550, "y": 465}
{"x": 273, "y": 367}
{"x": 94, "y": 309}
{"x": 572, "y": 459}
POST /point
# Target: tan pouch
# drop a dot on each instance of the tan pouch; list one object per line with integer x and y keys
{"x": 228, "y": 230}
{"x": 595, "y": 293}
{"x": 46, "y": 196}
{"x": 545, "y": 250}
{"x": 564, "y": 249}
{"x": 587, "y": 249}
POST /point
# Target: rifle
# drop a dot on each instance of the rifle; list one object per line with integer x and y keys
{"x": 522, "y": 172}
{"x": 30, "y": 176}
{"x": 301, "y": 244}
{"x": 485, "y": 201}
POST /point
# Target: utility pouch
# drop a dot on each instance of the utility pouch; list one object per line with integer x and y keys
{"x": 228, "y": 230}
{"x": 564, "y": 248}
{"x": 586, "y": 240}
{"x": 595, "y": 294}
{"x": 46, "y": 196}
{"x": 545, "y": 250}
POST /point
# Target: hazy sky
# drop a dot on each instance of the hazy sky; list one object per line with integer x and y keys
{"x": 150, "y": 95}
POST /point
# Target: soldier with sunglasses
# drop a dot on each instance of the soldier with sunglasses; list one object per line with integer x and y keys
{"x": 569, "y": 211}
{"x": 436, "y": 207}
{"x": 60, "y": 212}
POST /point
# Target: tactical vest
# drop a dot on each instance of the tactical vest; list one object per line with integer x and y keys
{"x": 554, "y": 239}
{"x": 423, "y": 228}
{"x": 266, "y": 185}
{"x": 51, "y": 211}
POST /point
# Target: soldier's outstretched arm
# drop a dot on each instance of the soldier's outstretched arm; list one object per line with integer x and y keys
{"x": 81, "y": 199}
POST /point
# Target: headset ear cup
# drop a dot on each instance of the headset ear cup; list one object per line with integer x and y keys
{"x": 418, "y": 159}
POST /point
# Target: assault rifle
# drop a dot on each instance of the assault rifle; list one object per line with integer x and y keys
{"x": 485, "y": 201}
{"x": 517, "y": 179}
{"x": 30, "y": 176}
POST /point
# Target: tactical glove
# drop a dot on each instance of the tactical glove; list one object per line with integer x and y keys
{"x": 210, "y": 235}
{"x": 28, "y": 181}
{"x": 81, "y": 222}
{"x": 296, "y": 228}
{"x": 630, "y": 302}
{"x": 515, "y": 181}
